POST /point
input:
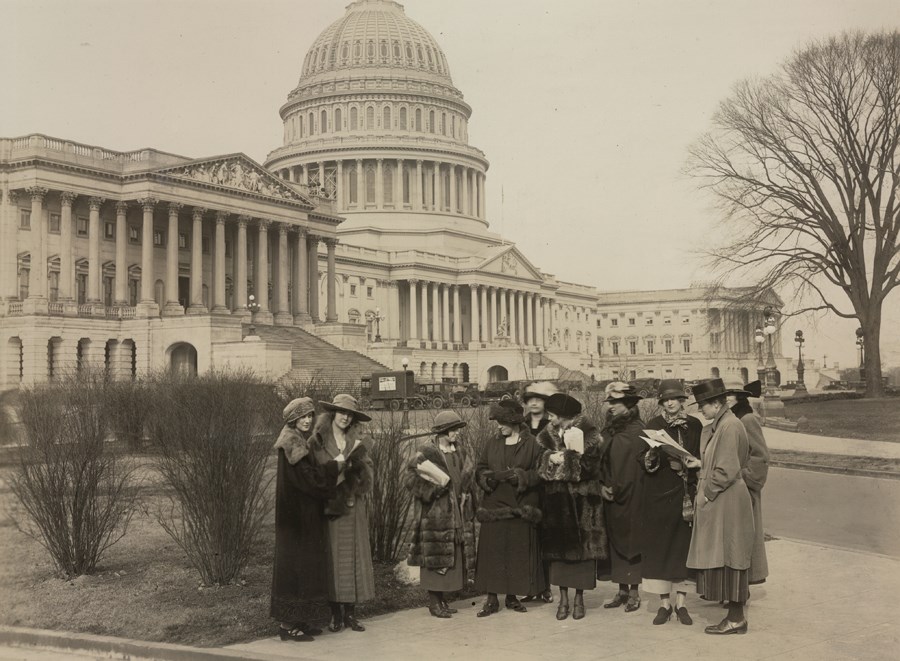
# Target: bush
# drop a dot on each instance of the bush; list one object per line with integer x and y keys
{"x": 391, "y": 502}
{"x": 212, "y": 436}
{"x": 78, "y": 493}
{"x": 128, "y": 404}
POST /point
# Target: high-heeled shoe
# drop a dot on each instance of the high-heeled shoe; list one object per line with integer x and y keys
{"x": 634, "y": 603}
{"x": 578, "y": 608}
{"x": 352, "y": 623}
{"x": 726, "y": 627}
{"x": 663, "y": 615}
{"x": 683, "y": 616}
{"x": 336, "y": 625}
{"x": 562, "y": 611}
{"x": 488, "y": 608}
{"x": 620, "y": 599}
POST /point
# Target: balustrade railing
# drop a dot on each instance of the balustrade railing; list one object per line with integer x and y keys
{"x": 55, "y": 308}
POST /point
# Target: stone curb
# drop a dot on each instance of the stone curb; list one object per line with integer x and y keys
{"x": 819, "y": 468}
{"x": 116, "y": 647}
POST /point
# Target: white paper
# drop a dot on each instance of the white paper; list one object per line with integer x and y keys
{"x": 574, "y": 439}
{"x": 659, "y": 438}
{"x": 432, "y": 473}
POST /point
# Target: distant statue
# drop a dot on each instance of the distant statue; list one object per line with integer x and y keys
{"x": 554, "y": 337}
{"x": 503, "y": 327}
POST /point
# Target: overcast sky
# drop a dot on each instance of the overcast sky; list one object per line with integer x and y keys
{"x": 585, "y": 109}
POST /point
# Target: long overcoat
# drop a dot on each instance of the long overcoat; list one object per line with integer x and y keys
{"x": 723, "y": 517}
{"x": 573, "y": 527}
{"x": 301, "y": 490}
{"x": 755, "y": 474}
{"x": 444, "y": 516}
{"x": 507, "y": 501}
{"x": 622, "y": 473}
{"x": 665, "y": 535}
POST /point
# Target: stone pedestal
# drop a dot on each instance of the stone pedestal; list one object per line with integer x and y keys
{"x": 283, "y": 319}
{"x": 173, "y": 309}
{"x": 146, "y": 309}
{"x": 36, "y": 306}
{"x": 771, "y": 406}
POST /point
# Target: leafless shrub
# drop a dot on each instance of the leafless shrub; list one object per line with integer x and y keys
{"x": 391, "y": 503}
{"x": 128, "y": 404}
{"x": 212, "y": 437}
{"x": 77, "y": 491}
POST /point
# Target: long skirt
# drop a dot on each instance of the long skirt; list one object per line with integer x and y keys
{"x": 509, "y": 558}
{"x": 351, "y": 578}
{"x": 579, "y": 575}
{"x": 451, "y": 581}
{"x": 723, "y": 584}
{"x": 619, "y": 569}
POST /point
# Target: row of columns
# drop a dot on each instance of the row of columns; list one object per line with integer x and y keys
{"x": 426, "y": 192}
{"x": 295, "y": 246}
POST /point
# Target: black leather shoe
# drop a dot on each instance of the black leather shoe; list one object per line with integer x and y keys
{"x": 547, "y": 597}
{"x": 726, "y": 627}
{"x": 488, "y": 608}
{"x": 438, "y": 612}
{"x": 446, "y": 608}
{"x": 578, "y": 608}
{"x": 620, "y": 599}
{"x": 295, "y": 634}
{"x": 634, "y": 603}
{"x": 562, "y": 611}
{"x": 515, "y": 605}
{"x": 683, "y": 616}
{"x": 308, "y": 629}
{"x": 663, "y": 615}
{"x": 336, "y": 625}
{"x": 352, "y": 623}
{"x": 530, "y": 597}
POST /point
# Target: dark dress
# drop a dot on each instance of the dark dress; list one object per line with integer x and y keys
{"x": 665, "y": 535}
{"x": 300, "y": 568}
{"x": 509, "y": 554}
{"x": 453, "y": 578}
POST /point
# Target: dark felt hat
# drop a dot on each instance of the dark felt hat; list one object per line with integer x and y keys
{"x": 563, "y": 405}
{"x": 709, "y": 389}
{"x": 345, "y": 404}
{"x": 507, "y": 412}
{"x": 447, "y": 421}
{"x": 671, "y": 389}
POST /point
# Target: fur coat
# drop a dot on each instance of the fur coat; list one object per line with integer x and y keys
{"x": 503, "y": 499}
{"x": 444, "y": 516}
{"x": 573, "y": 526}
{"x": 622, "y": 473}
{"x": 355, "y": 481}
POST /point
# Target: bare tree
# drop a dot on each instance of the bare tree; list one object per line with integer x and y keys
{"x": 805, "y": 164}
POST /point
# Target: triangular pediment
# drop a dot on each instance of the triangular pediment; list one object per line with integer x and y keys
{"x": 509, "y": 261}
{"x": 236, "y": 172}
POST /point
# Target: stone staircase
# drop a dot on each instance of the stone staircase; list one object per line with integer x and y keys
{"x": 565, "y": 374}
{"x": 316, "y": 362}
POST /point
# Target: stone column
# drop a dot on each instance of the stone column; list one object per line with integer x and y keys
{"x": 438, "y": 187}
{"x": 423, "y": 331}
{"x": 393, "y": 310}
{"x": 416, "y": 202}
{"x": 504, "y": 316}
{"x": 339, "y": 185}
{"x": 240, "y": 270}
{"x": 465, "y": 191}
{"x": 445, "y": 313}
{"x": 172, "y": 306}
{"x": 541, "y": 335}
{"x": 261, "y": 277}
{"x": 360, "y": 184}
{"x": 379, "y": 183}
{"x": 475, "y": 213}
{"x": 121, "y": 297}
{"x": 37, "y": 277}
{"x": 438, "y": 335}
{"x": 485, "y": 320}
{"x": 304, "y": 175}
{"x": 453, "y": 192}
{"x": 283, "y": 316}
{"x": 312, "y": 244}
{"x": 482, "y": 197}
{"x": 457, "y": 318}
{"x": 67, "y": 252}
{"x": 9, "y": 257}
{"x": 322, "y": 189}
{"x": 493, "y": 322}
{"x": 219, "y": 266}
{"x": 93, "y": 289}
{"x": 398, "y": 185}
{"x": 515, "y": 313}
{"x": 331, "y": 312}
{"x": 413, "y": 312}
{"x": 529, "y": 320}
{"x": 197, "y": 306}
{"x": 301, "y": 279}
{"x": 147, "y": 281}
{"x": 473, "y": 314}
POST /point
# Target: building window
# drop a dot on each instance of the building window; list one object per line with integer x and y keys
{"x": 649, "y": 322}
{"x": 182, "y": 241}
{"x": 23, "y": 284}
{"x": 134, "y": 235}
{"x": 159, "y": 238}
{"x": 354, "y": 118}
{"x": 386, "y": 118}
{"x": 632, "y": 375}
{"x": 338, "y": 119}
{"x": 613, "y": 322}
{"x": 353, "y": 290}
{"x": 631, "y": 321}
{"x": 370, "y": 118}
{"x": 687, "y": 345}
{"x": 54, "y": 286}
{"x": 668, "y": 344}
{"x": 82, "y": 227}
{"x": 615, "y": 348}
{"x": 109, "y": 230}
{"x": 632, "y": 347}
{"x": 54, "y": 223}
{"x": 667, "y": 321}
{"x": 25, "y": 219}
{"x": 370, "y": 292}
{"x": 418, "y": 119}
{"x": 649, "y": 346}
{"x": 205, "y": 243}
{"x": 403, "y": 118}
{"x": 685, "y": 321}
{"x": 323, "y": 121}
{"x": 431, "y": 121}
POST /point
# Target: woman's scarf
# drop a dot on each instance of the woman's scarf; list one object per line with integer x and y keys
{"x": 676, "y": 420}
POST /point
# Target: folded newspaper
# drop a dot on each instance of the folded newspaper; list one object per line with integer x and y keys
{"x": 430, "y": 471}
{"x": 658, "y": 438}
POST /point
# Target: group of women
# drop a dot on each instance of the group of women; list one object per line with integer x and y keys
{"x": 561, "y": 500}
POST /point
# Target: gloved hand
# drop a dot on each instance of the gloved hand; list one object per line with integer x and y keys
{"x": 606, "y": 493}
{"x": 675, "y": 465}
{"x": 513, "y": 480}
{"x": 489, "y": 480}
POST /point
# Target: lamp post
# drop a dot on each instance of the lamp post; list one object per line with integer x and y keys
{"x": 769, "y": 329}
{"x": 404, "y": 420}
{"x": 760, "y": 337}
{"x": 798, "y": 340}
{"x": 861, "y": 343}
{"x": 253, "y": 308}
{"x": 378, "y": 318}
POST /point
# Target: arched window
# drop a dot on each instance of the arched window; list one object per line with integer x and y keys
{"x": 354, "y": 186}
{"x": 403, "y": 118}
{"x": 370, "y": 184}
{"x": 388, "y": 191}
{"x": 354, "y": 118}
{"x": 311, "y": 123}
{"x": 444, "y": 123}
{"x": 409, "y": 53}
{"x": 302, "y": 125}
{"x": 418, "y": 119}
{"x": 338, "y": 119}
{"x": 453, "y": 126}
{"x": 323, "y": 122}
{"x": 370, "y": 118}
{"x": 431, "y": 121}
{"x": 386, "y": 118}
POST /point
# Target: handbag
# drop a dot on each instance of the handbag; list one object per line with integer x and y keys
{"x": 687, "y": 504}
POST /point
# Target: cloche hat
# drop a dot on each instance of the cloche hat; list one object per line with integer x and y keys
{"x": 447, "y": 421}
{"x": 345, "y": 404}
{"x": 297, "y": 408}
{"x": 671, "y": 389}
{"x": 507, "y": 412}
{"x": 563, "y": 405}
{"x": 541, "y": 389}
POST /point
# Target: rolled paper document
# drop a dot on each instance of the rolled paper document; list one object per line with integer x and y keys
{"x": 432, "y": 473}
{"x": 574, "y": 439}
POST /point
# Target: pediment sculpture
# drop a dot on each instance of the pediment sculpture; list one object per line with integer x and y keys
{"x": 236, "y": 173}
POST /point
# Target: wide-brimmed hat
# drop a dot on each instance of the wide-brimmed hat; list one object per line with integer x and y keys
{"x": 619, "y": 391}
{"x": 736, "y": 387}
{"x": 447, "y": 421}
{"x": 708, "y": 389}
{"x": 563, "y": 405}
{"x": 541, "y": 389}
{"x": 346, "y": 404}
{"x": 297, "y": 408}
{"x": 671, "y": 389}
{"x": 507, "y": 412}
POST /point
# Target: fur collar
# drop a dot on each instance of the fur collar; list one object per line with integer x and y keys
{"x": 550, "y": 438}
{"x": 619, "y": 423}
{"x": 294, "y": 444}
{"x": 742, "y": 407}
{"x": 322, "y": 433}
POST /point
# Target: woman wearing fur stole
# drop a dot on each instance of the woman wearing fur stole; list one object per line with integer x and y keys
{"x": 337, "y": 437}
{"x": 509, "y": 554}
{"x": 441, "y": 477}
{"x": 300, "y": 488}
{"x": 622, "y": 495}
{"x": 573, "y": 533}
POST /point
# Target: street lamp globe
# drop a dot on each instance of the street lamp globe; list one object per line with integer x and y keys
{"x": 405, "y": 363}
{"x": 770, "y": 321}
{"x": 759, "y": 337}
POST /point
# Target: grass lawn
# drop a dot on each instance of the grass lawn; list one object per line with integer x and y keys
{"x": 145, "y": 588}
{"x": 867, "y": 419}
{"x": 837, "y": 461}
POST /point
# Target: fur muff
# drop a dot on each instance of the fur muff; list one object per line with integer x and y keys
{"x": 525, "y": 512}
{"x": 358, "y": 470}
{"x": 573, "y": 526}
{"x": 443, "y": 515}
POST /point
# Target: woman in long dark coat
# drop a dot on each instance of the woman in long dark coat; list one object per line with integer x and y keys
{"x": 722, "y": 540}
{"x": 443, "y": 542}
{"x": 509, "y": 553}
{"x": 573, "y": 533}
{"x": 337, "y": 436}
{"x": 668, "y": 481}
{"x": 755, "y": 472}
{"x": 622, "y": 495}
{"x": 300, "y": 489}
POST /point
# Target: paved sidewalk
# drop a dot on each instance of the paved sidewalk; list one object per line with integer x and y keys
{"x": 778, "y": 439}
{"x": 819, "y": 603}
